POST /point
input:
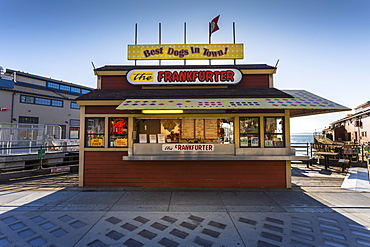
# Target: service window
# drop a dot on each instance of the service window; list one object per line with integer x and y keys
{"x": 274, "y": 132}
{"x": 186, "y": 130}
{"x": 94, "y": 136}
{"x": 118, "y": 132}
{"x": 249, "y": 131}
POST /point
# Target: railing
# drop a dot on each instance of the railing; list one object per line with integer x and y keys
{"x": 302, "y": 148}
{"x": 14, "y": 158}
{"x": 18, "y": 147}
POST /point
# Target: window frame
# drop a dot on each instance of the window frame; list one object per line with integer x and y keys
{"x": 97, "y": 131}
{"x": 271, "y": 134}
{"x": 249, "y": 135}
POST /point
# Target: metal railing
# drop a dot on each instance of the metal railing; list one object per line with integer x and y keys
{"x": 302, "y": 148}
{"x": 48, "y": 155}
{"x": 18, "y": 147}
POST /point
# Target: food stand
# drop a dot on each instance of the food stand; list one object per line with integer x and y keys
{"x": 190, "y": 125}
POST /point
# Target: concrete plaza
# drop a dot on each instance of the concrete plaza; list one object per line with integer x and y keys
{"x": 324, "y": 208}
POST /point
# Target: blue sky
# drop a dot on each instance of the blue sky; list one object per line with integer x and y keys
{"x": 323, "y": 45}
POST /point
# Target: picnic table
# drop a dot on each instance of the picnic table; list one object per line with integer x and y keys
{"x": 326, "y": 157}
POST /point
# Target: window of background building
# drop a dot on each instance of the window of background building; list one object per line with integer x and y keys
{"x": 53, "y": 85}
{"x": 57, "y": 103}
{"x": 274, "y": 132}
{"x": 74, "y": 122}
{"x": 74, "y": 132}
{"x": 30, "y": 120}
{"x": 249, "y": 132}
{"x": 27, "y": 99}
{"x": 40, "y": 101}
{"x": 74, "y": 105}
{"x": 75, "y": 90}
{"x": 65, "y": 87}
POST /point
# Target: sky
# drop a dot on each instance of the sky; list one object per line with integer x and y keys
{"x": 323, "y": 46}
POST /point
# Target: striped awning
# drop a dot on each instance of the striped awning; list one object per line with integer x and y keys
{"x": 304, "y": 103}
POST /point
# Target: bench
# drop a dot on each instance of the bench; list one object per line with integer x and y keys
{"x": 345, "y": 163}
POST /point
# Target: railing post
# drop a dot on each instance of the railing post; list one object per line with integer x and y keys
{"x": 8, "y": 146}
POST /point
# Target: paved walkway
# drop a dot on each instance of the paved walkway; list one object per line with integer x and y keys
{"x": 53, "y": 211}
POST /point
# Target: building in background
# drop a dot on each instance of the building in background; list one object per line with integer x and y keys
{"x": 355, "y": 127}
{"x": 32, "y": 99}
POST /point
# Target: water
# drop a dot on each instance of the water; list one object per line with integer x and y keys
{"x": 301, "y": 138}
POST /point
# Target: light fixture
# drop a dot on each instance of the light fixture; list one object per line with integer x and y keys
{"x": 161, "y": 111}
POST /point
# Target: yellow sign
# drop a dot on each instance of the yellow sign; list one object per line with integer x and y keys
{"x": 121, "y": 142}
{"x": 185, "y": 51}
{"x": 139, "y": 76}
{"x": 96, "y": 142}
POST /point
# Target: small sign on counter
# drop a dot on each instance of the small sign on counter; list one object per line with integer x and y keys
{"x": 161, "y": 138}
{"x": 153, "y": 138}
{"x": 143, "y": 138}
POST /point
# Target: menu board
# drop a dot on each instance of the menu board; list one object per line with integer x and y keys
{"x": 199, "y": 128}
{"x": 211, "y": 128}
{"x": 187, "y": 129}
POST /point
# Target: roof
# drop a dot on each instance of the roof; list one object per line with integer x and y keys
{"x": 46, "y": 92}
{"x": 299, "y": 102}
{"x": 121, "y": 94}
{"x": 21, "y": 73}
{"x": 361, "y": 114}
{"x": 237, "y": 66}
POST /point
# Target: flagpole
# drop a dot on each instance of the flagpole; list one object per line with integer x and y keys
{"x": 234, "y": 39}
{"x": 135, "y": 38}
{"x": 160, "y": 39}
{"x": 209, "y": 37}
{"x": 184, "y": 39}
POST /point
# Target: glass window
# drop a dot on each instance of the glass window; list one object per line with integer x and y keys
{"x": 31, "y": 120}
{"x": 94, "y": 132}
{"x": 188, "y": 130}
{"x": 274, "y": 132}
{"x": 42, "y": 101}
{"x": 118, "y": 132}
{"x": 249, "y": 132}
{"x": 27, "y": 99}
{"x": 75, "y": 90}
{"x": 53, "y": 85}
{"x": 74, "y": 122}
{"x": 74, "y": 132}
{"x": 84, "y": 91}
{"x": 74, "y": 105}
{"x": 65, "y": 87}
{"x": 57, "y": 103}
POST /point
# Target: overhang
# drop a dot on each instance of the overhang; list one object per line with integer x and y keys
{"x": 302, "y": 103}
{"x": 114, "y": 70}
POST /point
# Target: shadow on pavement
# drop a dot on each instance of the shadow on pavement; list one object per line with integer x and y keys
{"x": 72, "y": 216}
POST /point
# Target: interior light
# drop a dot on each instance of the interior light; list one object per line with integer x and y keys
{"x": 161, "y": 111}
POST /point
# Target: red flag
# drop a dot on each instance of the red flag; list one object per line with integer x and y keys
{"x": 213, "y": 25}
